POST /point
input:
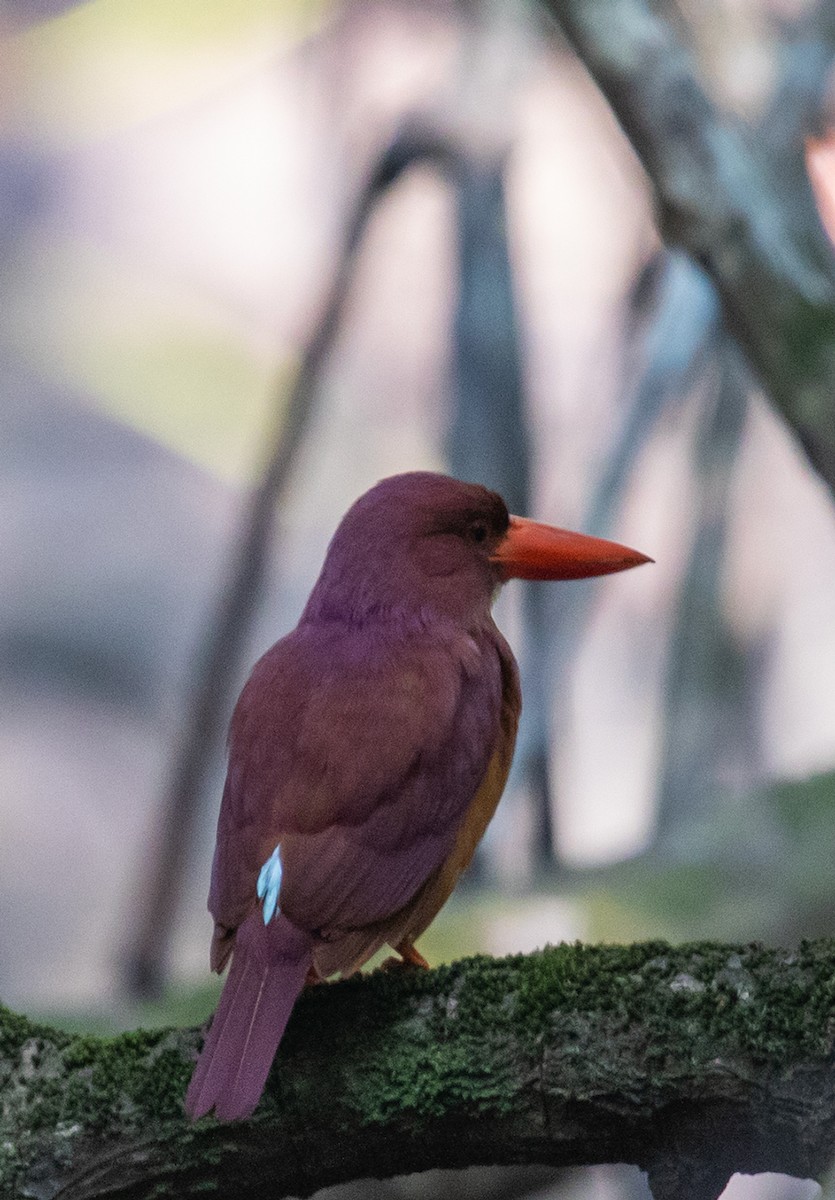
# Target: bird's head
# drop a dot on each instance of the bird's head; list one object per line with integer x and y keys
{"x": 426, "y": 544}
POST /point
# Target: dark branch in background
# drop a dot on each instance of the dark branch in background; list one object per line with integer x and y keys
{"x": 719, "y": 198}
{"x": 488, "y": 431}
{"x": 673, "y": 319}
{"x": 20, "y": 14}
{"x": 692, "y": 1063}
{"x": 706, "y": 729}
{"x": 488, "y": 438}
{"x": 156, "y": 897}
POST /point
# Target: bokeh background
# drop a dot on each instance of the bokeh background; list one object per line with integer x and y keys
{"x": 413, "y": 235}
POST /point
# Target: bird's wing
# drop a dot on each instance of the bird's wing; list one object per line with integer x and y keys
{"x": 359, "y": 753}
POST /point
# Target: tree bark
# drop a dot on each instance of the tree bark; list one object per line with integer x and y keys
{"x": 691, "y": 1062}
{"x": 721, "y": 198}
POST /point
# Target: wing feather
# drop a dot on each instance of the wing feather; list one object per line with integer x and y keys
{"x": 360, "y": 753}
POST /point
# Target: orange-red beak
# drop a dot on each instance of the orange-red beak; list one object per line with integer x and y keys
{"x": 530, "y": 550}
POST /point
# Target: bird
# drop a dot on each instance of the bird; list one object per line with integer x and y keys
{"x": 367, "y": 753}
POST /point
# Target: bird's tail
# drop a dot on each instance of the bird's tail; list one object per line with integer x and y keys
{"x": 269, "y": 967}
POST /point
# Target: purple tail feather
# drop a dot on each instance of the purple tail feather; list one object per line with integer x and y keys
{"x": 269, "y": 966}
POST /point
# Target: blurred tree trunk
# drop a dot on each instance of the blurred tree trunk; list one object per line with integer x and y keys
{"x": 673, "y": 328}
{"x": 488, "y": 432}
{"x": 708, "y": 722}
{"x": 489, "y": 437}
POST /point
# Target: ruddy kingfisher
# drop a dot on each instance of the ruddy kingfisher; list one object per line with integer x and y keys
{"x": 367, "y": 754}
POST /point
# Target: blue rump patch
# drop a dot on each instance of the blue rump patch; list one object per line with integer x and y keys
{"x": 269, "y": 881}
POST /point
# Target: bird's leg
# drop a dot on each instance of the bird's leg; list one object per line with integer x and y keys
{"x": 269, "y": 882}
{"x": 410, "y": 957}
{"x": 408, "y": 960}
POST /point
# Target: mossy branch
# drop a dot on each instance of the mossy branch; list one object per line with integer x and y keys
{"x": 691, "y": 1062}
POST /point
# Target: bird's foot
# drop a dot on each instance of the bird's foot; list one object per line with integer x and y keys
{"x": 313, "y": 978}
{"x": 269, "y": 882}
{"x": 409, "y": 959}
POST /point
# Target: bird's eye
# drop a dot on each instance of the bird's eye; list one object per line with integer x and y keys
{"x": 478, "y": 531}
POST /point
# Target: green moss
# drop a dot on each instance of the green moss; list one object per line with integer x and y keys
{"x": 696, "y": 1003}
{"x": 456, "y": 1038}
{"x": 475, "y": 1037}
{"x": 16, "y": 1030}
{"x": 79, "y": 1086}
{"x": 744, "y": 999}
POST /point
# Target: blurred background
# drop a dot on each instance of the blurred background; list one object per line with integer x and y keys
{"x": 256, "y": 255}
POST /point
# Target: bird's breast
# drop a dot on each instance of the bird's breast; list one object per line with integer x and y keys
{"x": 420, "y": 912}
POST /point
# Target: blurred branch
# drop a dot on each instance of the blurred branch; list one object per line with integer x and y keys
{"x": 674, "y": 318}
{"x": 719, "y": 198}
{"x": 17, "y": 15}
{"x": 705, "y": 714}
{"x": 681, "y": 334}
{"x": 154, "y": 903}
{"x": 488, "y": 434}
{"x": 691, "y": 1062}
{"x": 488, "y": 437}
